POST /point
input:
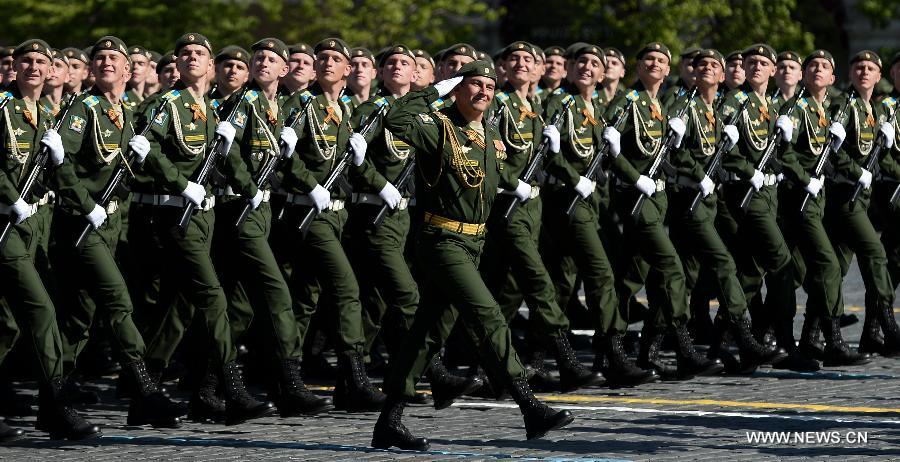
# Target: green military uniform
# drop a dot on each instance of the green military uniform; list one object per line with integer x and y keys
{"x": 885, "y": 185}
{"x": 543, "y": 92}
{"x": 680, "y": 90}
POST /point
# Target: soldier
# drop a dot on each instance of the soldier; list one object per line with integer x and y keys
{"x": 181, "y": 133}
{"x": 511, "y": 255}
{"x": 734, "y": 70}
{"x": 694, "y": 233}
{"x": 167, "y": 71}
{"x": 685, "y": 77}
{"x": 362, "y": 73}
{"x": 140, "y": 68}
{"x": 887, "y": 183}
{"x": 7, "y": 69}
{"x": 57, "y": 79}
{"x": 848, "y": 224}
{"x": 615, "y": 72}
{"x": 326, "y": 133}
{"x": 301, "y": 73}
{"x": 27, "y": 300}
{"x": 788, "y": 73}
{"x": 815, "y": 133}
{"x": 151, "y": 86}
{"x": 537, "y": 73}
{"x": 424, "y": 76}
{"x": 232, "y": 72}
{"x": 78, "y": 70}
{"x": 554, "y": 71}
{"x": 645, "y": 239}
{"x": 454, "y": 57}
{"x": 459, "y": 168}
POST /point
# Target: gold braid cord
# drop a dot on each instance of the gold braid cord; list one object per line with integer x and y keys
{"x": 467, "y": 170}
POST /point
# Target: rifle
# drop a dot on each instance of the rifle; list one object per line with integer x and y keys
{"x": 117, "y": 178}
{"x": 595, "y": 166}
{"x": 873, "y": 159}
{"x": 823, "y": 159}
{"x": 212, "y": 156}
{"x": 774, "y": 142}
{"x": 299, "y": 118}
{"x": 667, "y": 146}
{"x": 40, "y": 160}
{"x": 311, "y": 213}
{"x": 713, "y": 165}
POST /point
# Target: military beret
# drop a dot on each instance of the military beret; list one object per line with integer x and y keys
{"x": 708, "y": 53}
{"x": 821, "y": 54}
{"x": 896, "y": 58}
{"x": 274, "y": 45}
{"x": 155, "y": 56}
{"x": 88, "y": 50}
{"x": 571, "y": 49}
{"x": 165, "y": 60}
{"x": 192, "y": 38}
{"x": 518, "y": 46}
{"x": 658, "y": 47}
{"x": 789, "y": 56}
{"x": 760, "y": 49}
{"x": 58, "y": 54}
{"x": 301, "y": 48}
{"x": 866, "y": 55}
{"x": 333, "y": 44}
{"x": 614, "y": 53}
{"x": 588, "y": 49}
{"x": 479, "y": 68}
{"x": 6, "y": 51}
{"x": 734, "y": 55}
{"x": 420, "y": 53}
{"x": 555, "y": 50}
{"x": 111, "y": 43}
{"x": 483, "y": 56}
{"x": 75, "y": 53}
{"x": 360, "y": 52}
{"x": 33, "y": 45}
{"x": 398, "y": 49}
{"x": 233, "y": 52}
{"x": 139, "y": 50}
{"x": 690, "y": 52}
{"x": 460, "y": 49}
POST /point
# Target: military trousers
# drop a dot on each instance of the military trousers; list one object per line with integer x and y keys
{"x": 890, "y": 235}
{"x": 143, "y": 275}
{"x": 452, "y": 288}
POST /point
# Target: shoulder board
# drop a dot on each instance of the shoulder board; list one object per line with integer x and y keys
{"x": 889, "y": 102}
{"x": 5, "y": 96}
{"x": 91, "y": 101}
{"x": 251, "y": 96}
{"x": 802, "y": 103}
{"x": 740, "y": 96}
{"x": 381, "y": 102}
{"x": 437, "y": 104}
{"x": 172, "y": 95}
{"x": 632, "y": 95}
{"x": 305, "y": 96}
{"x": 346, "y": 99}
{"x": 502, "y": 96}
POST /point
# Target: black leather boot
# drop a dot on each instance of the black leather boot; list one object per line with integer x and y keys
{"x": 691, "y": 363}
{"x": 447, "y": 387}
{"x": 810, "y": 343}
{"x": 59, "y": 418}
{"x": 836, "y": 351}
{"x": 890, "y": 329}
{"x": 871, "y": 341}
{"x": 539, "y": 377}
{"x": 795, "y": 360}
{"x": 648, "y": 358}
{"x": 753, "y": 353}
{"x": 620, "y": 371}
{"x": 390, "y": 431}
{"x": 718, "y": 349}
{"x": 9, "y": 434}
{"x": 206, "y": 406}
{"x": 292, "y": 398}
{"x": 539, "y": 418}
{"x": 353, "y": 391}
{"x": 240, "y": 406}
{"x": 148, "y": 405}
{"x": 572, "y": 374}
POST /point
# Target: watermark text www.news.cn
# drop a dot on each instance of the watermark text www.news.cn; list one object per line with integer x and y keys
{"x": 809, "y": 438}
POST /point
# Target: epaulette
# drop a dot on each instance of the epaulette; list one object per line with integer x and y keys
{"x": 632, "y": 95}
{"x": 347, "y": 99}
{"x": 802, "y": 103}
{"x": 437, "y": 104}
{"x": 91, "y": 101}
{"x": 740, "y": 96}
{"x": 251, "y": 96}
{"x": 172, "y": 95}
{"x": 502, "y": 96}
{"x": 5, "y": 96}
{"x": 381, "y": 102}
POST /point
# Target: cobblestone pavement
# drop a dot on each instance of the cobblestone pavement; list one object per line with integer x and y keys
{"x": 843, "y": 413}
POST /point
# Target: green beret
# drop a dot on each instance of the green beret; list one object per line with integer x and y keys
{"x": 555, "y": 50}
{"x": 420, "y": 53}
{"x": 58, "y": 54}
{"x": 6, "y": 51}
{"x": 614, "y": 53}
{"x": 75, "y": 53}
{"x": 866, "y": 55}
{"x": 360, "y": 52}
{"x": 571, "y": 49}
{"x": 274, "y": 45}
{"x": 483, "y": 56}
{"x": 896, "y": 58}
{"x": 33, "y": 45}
{"x": 519, "y": 46}
{"x": 789, "y": 56}
{"x": 301, "y": 48}
{"x": 690, "y": 52}
{"x": 821, "y": 54}
{"x": 192, "y": 38}
{"x": 233, "y": 52}
{"x": 111, "y": 43}
{"x": 139, "y": 50}
{"x": 734, "y": 55}
{"x": 658, "y": 47}
{"x": 708, "y": 53}
{"x": 588, "y": 49}
{"x": 333, "y": 44}
{"x": 165, "y": 60}
{"x": 460, "y": 49}
{"x": 760, "y": 49}
{"x": 155, "y": 56}
{"x": 478, "y": 68}
{"x": 398, "y": 49}
{"x": 87, "y": 50}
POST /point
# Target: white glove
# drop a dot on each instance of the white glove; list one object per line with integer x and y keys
{"x": 97, "y": 216}
{"x": 733, "y": 136}
{"x": 321, "y": 198}
{"x": 22, "y": 210}
{"x": 523, "y": 190}
{"x": 359, "y": 145}
{"x": 141, "y": 147}
{"x": 584, "y": 188}
{"x": 839, "y": 133}
{"x": 257, "y": 199}
{"x": 614, "y": 138}
{"x": 646, "y": 185}
{"x": 194, "y": 193}
{"x": 888, "y": 131}
{"x": 865, "y": 179}
{"x": 226, "y": 131}
{"x": 707, "y": 185}
{"x": 757, "y": 180}
{"x": 677, "y": 126}
{"x": 53, "y": 141}
{"x": 390, "y": 195}
{"x": 447, "y": 85}
{"x": 814, "y": 186}
{"x": 787, "y": 128}
{"x": 551, "y": 133}
{"x": 289, "y": 138}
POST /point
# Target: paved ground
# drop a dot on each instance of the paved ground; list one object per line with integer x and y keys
{"x": 846, "y": 414}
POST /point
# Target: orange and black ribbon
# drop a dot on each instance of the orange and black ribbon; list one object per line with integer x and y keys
{"x": 198, "y": 113}
{"x": 764, "y": 113}
{"x": 29, "y": 117}
{"x": 526, "y": 113}
{"x": 710, "y": 117}
{"x": 822, "y": 121}
{"x": 654, "y": 112}
{"x": 330, "y": 115}
{"x": 870, "y": 121}
{"x": 588, "y": 118}
{"x": 114, "y": 117}
{"x": 273, "y": 119}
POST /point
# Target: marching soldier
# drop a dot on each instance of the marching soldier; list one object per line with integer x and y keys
{"x": 788, "y": 73}
{"x": 685, "y": 77}
{"x": 232, "y": 72}
{"x": 301, "y": 72}
{"x": 140, "y": 68}
{"x": 458, "y": 162}
{"x": 78, "y": 69}
{"x": 887, "y": 183}
{"x": 554, "y": 72}
{"x": 7, "y": 68}
{"x": 151, "y": 85}
{"x": 167, "y": 71}
{"x": 734, "y": 70}
{"x": 615, "y": 72}
{"x": 362, "y": 73}
{"x": 425, "y": 69}
{"x": 56, "y": 82}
